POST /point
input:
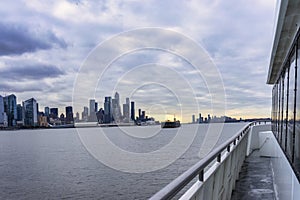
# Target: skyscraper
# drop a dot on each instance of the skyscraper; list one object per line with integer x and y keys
{"x": 116, "y": 109}
{"x": 20, "y": 113}
{"x": 54, "y": 113}
{"x": 140, "y": 113}
{"x": 92, "y": 116}
{"x": 85, "y": 114}
{"x": 96, "y": 106}
{"x": 126, "y": 112}
{"x": 3, "y": 116}
{"x": 132, "y": 109}
{"x": 117, "y": 98}
{"x": 10, "y": 107}
{"x": 69, "y": 115}
{"x": 92, "y": 106}
{"x": 200, "y": 119}
{"x": 107, "y": 110}
{"x": 77, "y": 117}
{"x": 47, "y": 111}
{"x": 31, "y": 113}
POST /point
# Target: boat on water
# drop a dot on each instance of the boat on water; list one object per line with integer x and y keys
{"x": 170, "y": 124}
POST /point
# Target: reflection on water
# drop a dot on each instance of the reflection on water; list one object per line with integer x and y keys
{"x": 53, "y": 164}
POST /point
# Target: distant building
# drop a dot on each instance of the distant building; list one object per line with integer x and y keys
{"x": 77, "y": 117}
{"x": 193, "y": 118}
{"x": 92, "y": 114}
{"x": 54, "y": 113}
{"x": 96, "y": 106}
{"x": 43, "y": 121}
{"x": 85, "y": 114}
{"x": 100, "y": 116}
{"x": 10, "y": 107}
{"x": 69, "y": 115}
{"x": 20, "y": 115}
{"x": 3, "y": 116}
{"x": 143, "y": 115}
{"x": 108, "y": 110}
{"x": 116, "y": 109}
{"x": 31, "y": 113}
{"x": 200, "y": 120}
{"x": 126, "y": 113}
{"x": 47, "y": 111}
{"x": 19, "y": 112}
{"x": 132, "y": 113}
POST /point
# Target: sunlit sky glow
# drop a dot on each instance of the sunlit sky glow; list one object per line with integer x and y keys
{"x": 44, "y": 43}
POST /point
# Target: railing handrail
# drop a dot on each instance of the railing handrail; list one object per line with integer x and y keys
{"x": 181, "y": 181}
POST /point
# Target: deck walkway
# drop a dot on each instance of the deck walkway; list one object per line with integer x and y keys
{"x": 255, "y": 179}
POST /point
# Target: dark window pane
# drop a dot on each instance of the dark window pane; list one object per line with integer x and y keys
{"x": 290, "y": 123}
{"x": 284, "y": 105}
{"x": 297, "y": 121}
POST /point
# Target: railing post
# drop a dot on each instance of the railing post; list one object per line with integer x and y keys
{"x": 228, "y": 148}
{"x": 219, "y": 158}
{"x": 201, "y": 175}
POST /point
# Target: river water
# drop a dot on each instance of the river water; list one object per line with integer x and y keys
{"x": 54, "y": 164}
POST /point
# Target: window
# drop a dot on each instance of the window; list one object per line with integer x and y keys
{"x": 290, "y": 117}
{"x": 284, "y": 109}
{"x": 297, "y": 120}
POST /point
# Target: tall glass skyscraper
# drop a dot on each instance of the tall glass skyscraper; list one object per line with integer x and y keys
{"x": 10, "y": 107}
{"x": 107, "y": 110}
{"x": 3, "y": 116}
{"x": 132, "y": 111}
{"x": 31, "y": 113}
{"x": 69, "y": 115}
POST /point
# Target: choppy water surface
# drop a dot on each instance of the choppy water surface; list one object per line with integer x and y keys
{"x": 53, "y": 164}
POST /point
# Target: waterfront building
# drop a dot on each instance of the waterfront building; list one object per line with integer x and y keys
{"x": 108, "y": 118}
{"x": 10, "y": 107}
{"x": 132, "y": 111}
{"x": 20, "y": 115}
{"x": 54, "y": 113}
{"x": 92, "y": 115}
{"x": 116, "y": 109}
{"x": 69, "y": 115}
{"x": 85, "y": 114}
{"x": 77, "y": 117}
{"x": 43, "y": 121}
{"x": 126, "y": 113}
{"x": 31, "y": 113}
{"x": 3, "y": 116}
{"x": 47, "y": 111}
{"x": 19, "y": 112}
{"x": 100, "y": 116}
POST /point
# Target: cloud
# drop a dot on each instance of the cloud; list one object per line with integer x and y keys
{"x": 43, "y": 45}
{"x": 24, "y": 70}
{"x": 16, "y": 38}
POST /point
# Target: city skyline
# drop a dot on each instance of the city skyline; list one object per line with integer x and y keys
{"x": 45, "y": 49}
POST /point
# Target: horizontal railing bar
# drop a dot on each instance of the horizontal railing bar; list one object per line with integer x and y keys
{"x": 181, "y": 181}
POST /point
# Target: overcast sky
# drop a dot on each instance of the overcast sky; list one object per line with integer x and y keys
{"x": 45, "y": 44}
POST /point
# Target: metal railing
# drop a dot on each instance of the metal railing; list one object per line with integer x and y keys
{"x": 180, "y": 182}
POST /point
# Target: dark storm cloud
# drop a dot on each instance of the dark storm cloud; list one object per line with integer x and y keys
{"x": 20, "y": 87}
{"x": 35, "y": 71}
{"x": 17, "y": 39}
